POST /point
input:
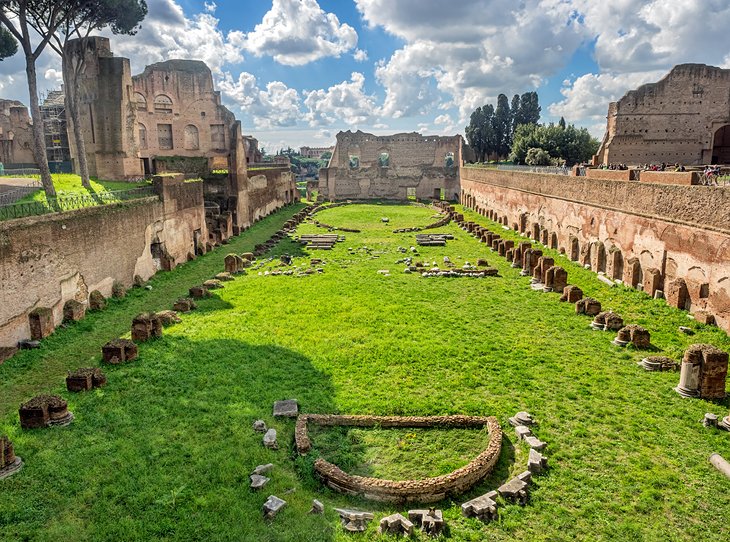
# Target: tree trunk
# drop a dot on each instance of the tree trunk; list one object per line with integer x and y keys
{"x": 71, "y": 80}
{"x": 39, "y": 140}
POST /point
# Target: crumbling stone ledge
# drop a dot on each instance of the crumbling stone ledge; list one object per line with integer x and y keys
{"x": 424, "y": 490}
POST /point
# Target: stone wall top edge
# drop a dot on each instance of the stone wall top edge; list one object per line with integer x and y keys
{"x": 33, "y": 221}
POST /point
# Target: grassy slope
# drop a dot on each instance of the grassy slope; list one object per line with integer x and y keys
{"x": 69, "y": 184}
{"x": 163, "y": 452}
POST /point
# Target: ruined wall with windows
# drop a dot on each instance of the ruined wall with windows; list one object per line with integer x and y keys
{"x": 179, "y": 113}
{"x": 366, "y": 166}
{"x": 684, "y": 118}
{"x": 16, "y": 134}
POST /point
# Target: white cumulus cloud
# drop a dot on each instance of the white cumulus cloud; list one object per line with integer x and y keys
{"x": 345, "y": 102}
{"x": 275, "y": 106}
{"x": 296, "y": 32}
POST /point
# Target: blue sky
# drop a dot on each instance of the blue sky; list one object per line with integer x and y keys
{"x": 298, "y": 71}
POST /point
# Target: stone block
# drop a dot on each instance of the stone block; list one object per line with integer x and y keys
{"x": 233, "y": 263}
{"x": 97, "y": 301}
{"x": 213, "y": 284}
{"x": 677, "y": 294}
{"x": 73, "y": 311}
{"x": 273, "y": 506}
{"x": 597, "y": 256}
{"x": 588, "y": 306}
{"x": 288, "y": 408}
{"x": 431, "y": 521}
{"x": 146, "y": 326}
{"x": 704, "y": 317}
{"x": 632, "y": 272}
{"x": 354, "y": 521}
{"x": 184, "y": 304}
{"x": 258, "y": 481}
{"x": 168, "y": 318}
{"x": 634, "y": 334}
{"x": 9, "y": 462}
{"x": 44, "y": 411}
{"x": 614, "y": 263}
{"x": 514, "y": 491}
{"x": 85, "y": 379}
{"x": 535, "y": 443}
{"x": 483, "y": 507}
{"x": 259, "y": 426}
{"x": 652, "y": 281}
{"x": 396, "y": 524}
{"x": 119, "y": 351}
{"x": 522, "y": 431}
{"x": 269, "y": 439}
{"x": 263, "y": 469}
{"x": 571, "y": 294}
{"x": 536, "y": 462}
{"x": 41, "y": 323}
{"x": 713, "y": 367}
{"x": 199, "y": 292}
{"x": 317, "y": 507}
{"x": 521, "y": 418}
{"x": 608, "y": 321}
{"x": 224, "y": 277}
{"x": 118, "y": 290}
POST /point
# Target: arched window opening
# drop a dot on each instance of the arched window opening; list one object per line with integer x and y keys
{"x": 163, "y": 104}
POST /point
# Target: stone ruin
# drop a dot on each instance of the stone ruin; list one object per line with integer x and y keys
{"x": 41, "y": 323}
{"x": 85, "y": 379}
{"x": 555, "y": 279}
{"x": 659, "y": 363}
{"x": 73, "y": 311}
{"x": 119, "y": 351}
{"x": 588, "y": 306}
{"x": 703, "y": 372}
{"x": 396, "y": 524}
{"x": 199, "y": 292}
{"x": 634, "y": 334}
{"x": 530, "y": 259}
{"x": 97, "y": 301}
{"x": 184, "y": 304}
{"x": 607, "y": 321}
{"x": 519, "y": 252}
{"x": 168, "y": 318}
{"x": 320, "y": 242}
{"x": 273, "y": 506}
{"x": 146, "y": 326}
{"x": 9, "y": 462}
{"x": 44, "y": 411}
{"x": 354, "y": 521}
{"x": 430, "y": 521}
{"x": 433, "y": 239}
{"x": 425, "y": 490}
{"x": 235, "y": 264}
{"x": 571, "y": 294}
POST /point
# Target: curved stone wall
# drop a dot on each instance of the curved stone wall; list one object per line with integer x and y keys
{"x": 424, "y": 490}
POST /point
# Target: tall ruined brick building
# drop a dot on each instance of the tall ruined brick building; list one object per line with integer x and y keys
{"x": 398, "y": 166}
{"x": 684, "y": 118}
{"x": 16, "y": 134}
{"x": 179, "y": 113}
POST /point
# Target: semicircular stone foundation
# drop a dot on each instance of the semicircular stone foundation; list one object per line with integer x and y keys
{"x": 424, "y": 490}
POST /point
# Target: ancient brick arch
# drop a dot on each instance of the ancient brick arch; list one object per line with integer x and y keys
{"x": 721, "y": 145}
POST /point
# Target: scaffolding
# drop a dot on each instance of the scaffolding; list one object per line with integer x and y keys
{"x": 53, "y": 113}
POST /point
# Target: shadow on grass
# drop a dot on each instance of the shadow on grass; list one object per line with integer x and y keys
{"x": 166, "y": 448}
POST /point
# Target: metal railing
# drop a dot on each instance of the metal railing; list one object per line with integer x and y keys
{"x": 23, "y": 172}
{"x": 553, "y": 170}
{"x": 71, "y": 202}
{"x": 16, "y": 193}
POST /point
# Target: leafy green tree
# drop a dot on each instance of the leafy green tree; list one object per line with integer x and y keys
{"x": 17, "y": 17}
{"x": 8, "y": 44}
{"x": 84, "y": 17}
{"x": 537, "y": 157}
{"x": 570, "y": 144}
{"x": 514, "y": 110}
{"x": 502, "y": 124}
{"x": 561, "y": 123}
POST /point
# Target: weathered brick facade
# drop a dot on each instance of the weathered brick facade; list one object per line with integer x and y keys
{"x": 366, "y": 166}
{"x": 684, "y": 118}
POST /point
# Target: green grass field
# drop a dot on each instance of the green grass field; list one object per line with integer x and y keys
{"x": 164, "y": 451}
{"x": 68, "y": 184}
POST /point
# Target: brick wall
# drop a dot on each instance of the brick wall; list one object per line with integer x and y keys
{"x": 683, "y": 231}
